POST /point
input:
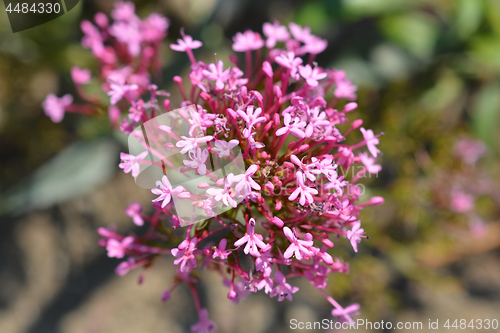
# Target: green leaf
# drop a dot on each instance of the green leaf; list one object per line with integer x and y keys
{"x": 486, "y": 114}
{"x": 76, "y": 170}
{"x": 468, "y": 17}
{"x": 416, "y": 32}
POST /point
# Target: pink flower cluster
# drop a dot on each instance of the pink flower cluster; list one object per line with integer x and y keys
{"x": 289, "y": 117}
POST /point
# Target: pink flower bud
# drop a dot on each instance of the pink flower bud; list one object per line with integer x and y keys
{"x": 278, "y": 222}
{"x": 357, "y": 123}
{"x": 203, "y": 185}
{"x": 101, "y": 20}
{"x": 220, "y": 182}
{"x": 177, "y": 79}
{"x": 350, "y": 106}
{"x": 377, "y": 201}
{"x": 231, "y": 294}
{"x": 264, "y": 155}
{"x": 327, "y": 242}
{"x": 303, "y": 148}
{"x": 276, "y": 120}
{"x": 166, "y": 104}
{"x": 277, "y": 93}
{"x": 267, "y": 69}
{"x": 166, "y": 296}
{"x": 278, "y": 206}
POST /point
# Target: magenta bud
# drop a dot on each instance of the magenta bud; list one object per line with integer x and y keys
{"x": 166, "y": 104}
{"x": 350, "y": 106}
{"x": 356, "y": 124}
{"x": 303, "y": 148}
{"x": 278, "y": 206}
{"x": 276, "y": 119}
{"x": 277, "y": 92}
{"x": 264, "y": 155}
{"x": 288, "y": 165}
{"x": 278, "y": 222}
{"x": 231, "y": 294}
{"x": 267, "y": 69}
{"x": 166, "y": 296}
{"x": 203, "y": 185}
{"x": 277, "y": 181}
{"x": 207, "y": 252}
{"x": 220, "y": 182}
{"x": 269, "y": 186}
{"x": 204, "y": 96}
{"x": 105, "y": 232}
{"x": 101, "y": 20}
{"x": 327, "y": 242}
{"x": 377, "y": 201}
{"x": 177, "y": 79}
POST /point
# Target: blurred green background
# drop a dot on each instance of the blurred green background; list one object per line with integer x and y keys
{"x": 428, "y": 75}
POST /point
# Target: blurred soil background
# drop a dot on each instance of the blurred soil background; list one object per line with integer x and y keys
{"x": 428, "y": 75}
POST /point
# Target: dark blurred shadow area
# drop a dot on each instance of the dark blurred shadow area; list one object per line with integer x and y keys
{"x": 428, "y": 75}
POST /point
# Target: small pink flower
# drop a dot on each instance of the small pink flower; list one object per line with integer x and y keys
{"x": 369, "y": 163}
{"x": 54, "y": 107}
{"x": 294, "y": 127}
{"x": 186, "y": 43}
{"x": 252, "y": 240}
{"x": 299, "y": 33}
{"x": 304, "y": 191}
{"x": 245, "y": 181}
{"x": 127, "y": 32}
{"x": 326, "y": 166}
{"x": 224, "y": 194}
{"x": 355, "y": 235}
{"x": 221, "y": 250}
{"x": 204, "y": 325}
{"x": 288, "y": 60}
{"x": 198, "y": 160}
{"x": 247, "y": 41}
{"x": 132, "y": 163}
{"x": 371, "y": 141}
{"x": 119, "y": 90}
{"x": 165, "y": 191}
{"x": 345, "y": 89}
{"x": 251, "y": 118}
{"x": 217, "y": 74}
{"x": 185, "y": 254}
{"x": 267, "y": 282}
{"x": 134, "y": 211}
{"x": 299, "y": 248}
{"x": 312, "y": 75}
{"x": 154, "y": 27}
{"x": 275, "y": 33}
{"x": 117, "y": 248}
{"x": 307, "y": 169}
{"x": 343, "y": 210}
{"x": 192, "y": 143}
{"x": 344, "y": 314}
{"x": 124, "y": 11}
{"x": 224, "y": 147}
{"x": 314, "y": 45}
{"x": 80, "y": 75}
{"x": 283, "y": 289}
